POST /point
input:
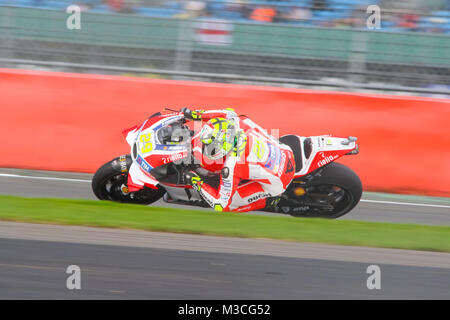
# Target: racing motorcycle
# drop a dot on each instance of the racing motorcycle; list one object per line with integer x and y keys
{"x": 161, "y": 154}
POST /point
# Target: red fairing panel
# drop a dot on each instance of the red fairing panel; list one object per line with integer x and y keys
{"x": 152, "y": 121}
{"x": 127, "y": 131}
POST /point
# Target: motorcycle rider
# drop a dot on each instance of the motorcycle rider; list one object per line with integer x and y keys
{"x": 243, "y": 154}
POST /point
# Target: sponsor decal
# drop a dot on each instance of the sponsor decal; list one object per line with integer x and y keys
{"x": 174, "y": 157}
{"x": 225, "y": 191}
{"x": 124, "y": 189}
{"x": 326, "y": 159}
{"x": 259, "y": 148}
{"x": 123, "y": 163}
{"x": 271, "y": 160}
{"x": 207, "y": 200}
{"x": 301, "y": 209}
{"x": 275, "y": 160}
{"x": 227, "y": 185}
{"x": 283, "y": 161}
{"x": 243, "y": 209}
{"x": 259, "y": 196}
{"x": 144, "y": 164}
{"x": 170, "y": 147}
{"x": 285, "y": 209}
{"x": 299, "y": 191}
{"x": 289, "y": 167}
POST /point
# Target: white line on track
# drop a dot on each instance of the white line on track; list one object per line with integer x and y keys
{"x": 408, "y": 203}
{"x": 41, "y": 178}
{"x": 7, "y": 175}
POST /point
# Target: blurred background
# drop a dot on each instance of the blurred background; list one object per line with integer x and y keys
{"x": 320, "y": 44}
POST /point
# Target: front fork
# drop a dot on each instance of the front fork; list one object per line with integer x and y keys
{"x": 123, "y": 164}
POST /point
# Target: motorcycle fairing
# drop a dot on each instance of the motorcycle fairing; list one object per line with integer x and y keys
{"x": 158, "y": 154}
{"x": 137, "y": 179}
{"x": 324, "y": 149}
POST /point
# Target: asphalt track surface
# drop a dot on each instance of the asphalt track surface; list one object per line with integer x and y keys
{"x": 124, "y": 264}
{"x": 121, "y": 264}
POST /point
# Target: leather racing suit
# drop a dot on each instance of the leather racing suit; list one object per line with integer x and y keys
{"x": 258, "y": 168}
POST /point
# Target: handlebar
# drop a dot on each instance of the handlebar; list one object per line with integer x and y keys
{"x": 168, "y": 109}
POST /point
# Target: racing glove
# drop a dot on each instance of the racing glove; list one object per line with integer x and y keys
{"x": 192, "y": 114}
{"x": 192, "y": 179}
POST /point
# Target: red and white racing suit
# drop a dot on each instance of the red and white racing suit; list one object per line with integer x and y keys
{"x": 267, "y": 164}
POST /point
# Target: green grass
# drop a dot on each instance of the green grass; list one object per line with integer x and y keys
{"x": 113, "y": 215}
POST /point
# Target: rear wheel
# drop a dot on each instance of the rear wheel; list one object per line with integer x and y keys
{"x": 333, "y": 191}
{"x": 110, "y": 183}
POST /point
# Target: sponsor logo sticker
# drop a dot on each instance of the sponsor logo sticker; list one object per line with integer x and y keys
{"x": 144, "y": 164}
{"x": 259, "y": 196}
{"x": 326, "y": 159}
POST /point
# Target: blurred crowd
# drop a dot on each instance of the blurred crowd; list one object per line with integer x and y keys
{"x": 397, "y": 15}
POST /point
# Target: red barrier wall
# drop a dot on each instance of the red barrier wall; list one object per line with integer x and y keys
{"x": 73, "y": 122}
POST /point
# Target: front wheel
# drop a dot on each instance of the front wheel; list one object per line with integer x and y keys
{"x": 110, "y": 183}
{"x": 331, "y": 192}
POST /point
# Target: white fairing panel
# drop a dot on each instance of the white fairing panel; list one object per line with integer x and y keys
{"x": 136, "y": 173}
{"x": 138, "y": 177}
{"x": 324, "y": 145}
{"x": 131, "y": 136}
